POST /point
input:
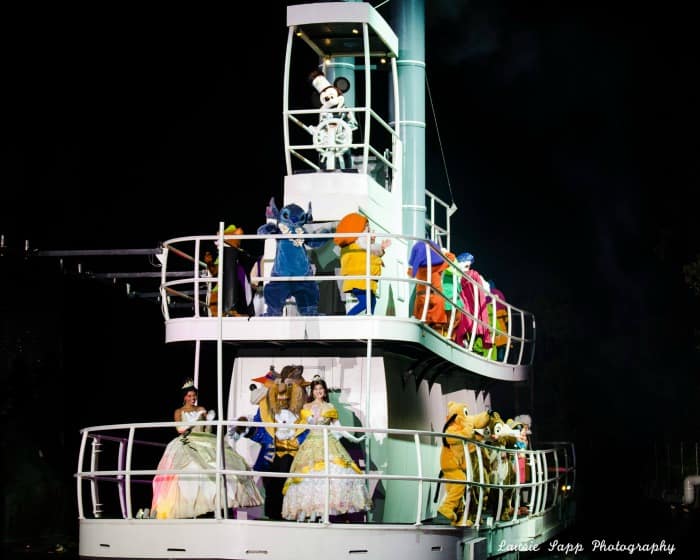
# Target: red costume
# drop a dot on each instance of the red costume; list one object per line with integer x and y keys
{"x": 474, "y": 306}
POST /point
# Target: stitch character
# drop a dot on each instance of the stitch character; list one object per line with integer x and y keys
{"x": 291, "y": 259}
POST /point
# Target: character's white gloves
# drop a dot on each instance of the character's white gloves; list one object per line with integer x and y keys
{"x": 237, "y": 432}
{"x": 286, "y": 416}
{"x": 350, "y": 437}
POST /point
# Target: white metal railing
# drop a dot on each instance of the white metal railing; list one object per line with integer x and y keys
{"x": 127, "y": 477}
{"x": 438, "y": 219}
{"x": 380, "y": 151}
{"x": 671, "y": 464}
{"x": 516, "y": 327}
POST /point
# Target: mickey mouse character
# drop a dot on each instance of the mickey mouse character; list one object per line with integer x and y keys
{"x": 333, "y": 135}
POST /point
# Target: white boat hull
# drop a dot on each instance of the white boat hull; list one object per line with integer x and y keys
{"x": 235, "y": 539}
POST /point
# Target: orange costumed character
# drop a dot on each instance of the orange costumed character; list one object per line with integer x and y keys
{"x": 353, "y": 260}
{"x": 423, "y": 253}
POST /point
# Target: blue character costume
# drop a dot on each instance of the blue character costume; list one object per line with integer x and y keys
{"x": 291, "y": 259}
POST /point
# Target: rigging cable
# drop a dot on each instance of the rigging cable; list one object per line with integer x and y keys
{"x": 437, "y": 131}
{"x": 453, "y": 206}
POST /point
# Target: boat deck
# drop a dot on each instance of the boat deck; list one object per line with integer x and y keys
{"x": 341, "y": 335}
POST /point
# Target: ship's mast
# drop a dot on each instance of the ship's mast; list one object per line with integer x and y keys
{"x": 342, "y": 67}
{"x": 409, "y": 23}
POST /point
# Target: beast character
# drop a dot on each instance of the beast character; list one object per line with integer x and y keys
{"x": 280, "y": 400}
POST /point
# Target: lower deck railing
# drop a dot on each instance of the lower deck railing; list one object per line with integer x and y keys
{"x": 501, "y": 485}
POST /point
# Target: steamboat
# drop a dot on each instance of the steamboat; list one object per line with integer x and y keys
{"x": 391, "y": 372}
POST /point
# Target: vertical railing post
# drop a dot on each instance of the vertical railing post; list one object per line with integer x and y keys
{"x": 499, "y": 507}
{"x": 368, "y": 273}
{"x": 522, "y": 338}
{"x": 327, "y": 489}
{"x": 127, "y": 469}
{"x": 195, "y": 263}
{"x": 480, "y": 504}
{"x": 79, "y": 477}
{"x": 558, "y": 480}
{"x": 220, "y": 482}
{"x": 509, "y": 338}
{"x": 419, "y": 472}
{"x": 96, "y": 506}
{"x": 163, "y": 290}
{"x": 467, "y": 487}
{"x": 121, "y": 465}
{"x": 544, "y": 477}
{"x": 367, "y": 405}
{"x": 518, "y": 482}
{"x": 368, "y": 97}
{"x": 537, "y": 483}
{"x": 427, "y": 285}
{"x": 220, "y": 477}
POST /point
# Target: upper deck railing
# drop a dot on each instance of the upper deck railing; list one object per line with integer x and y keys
{"x": 510, "y": 329}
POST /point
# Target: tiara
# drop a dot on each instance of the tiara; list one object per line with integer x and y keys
{"x": 188, "y": 384}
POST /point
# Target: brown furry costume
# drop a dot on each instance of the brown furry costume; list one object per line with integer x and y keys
{"x": 282, "y": 404}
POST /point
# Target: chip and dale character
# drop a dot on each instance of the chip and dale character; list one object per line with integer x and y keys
{"x": 521, "y": 424}
{"x": 291, "y": 259}
{"x": 280, "y": 398}
{"x": 499, "y": 465}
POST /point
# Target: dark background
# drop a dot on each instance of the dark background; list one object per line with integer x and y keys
{"x": 568, "y": 132}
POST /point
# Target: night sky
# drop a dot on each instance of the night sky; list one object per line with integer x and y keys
{"x": 568, "y": 131}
